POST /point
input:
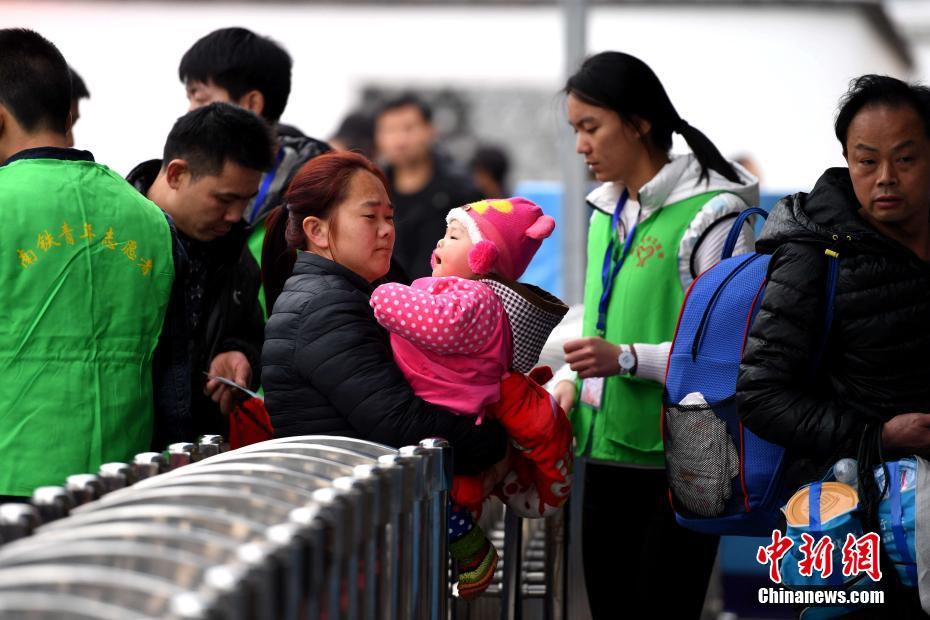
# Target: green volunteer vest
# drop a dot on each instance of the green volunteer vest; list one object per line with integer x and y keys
{"x": 255, "y": 242}
{"x": 86, "y": 272}
{"x": 644, "y": 307}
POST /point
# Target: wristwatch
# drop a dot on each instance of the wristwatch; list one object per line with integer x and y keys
{"x": 627, "y": 360}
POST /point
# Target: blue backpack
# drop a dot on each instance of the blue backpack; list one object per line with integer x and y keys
{"x": 723, "y": 479}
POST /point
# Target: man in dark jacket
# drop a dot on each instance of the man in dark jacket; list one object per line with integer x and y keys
{"x": 235, "y": 65}
{"x": 871, "y": 391}
{"x": 213, "y": 161}
{"x": 424, "y": 185}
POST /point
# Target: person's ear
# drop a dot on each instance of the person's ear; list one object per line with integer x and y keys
{"x": 317, "y": 232}
{"x": 642, "y": 126}
{"x": 175, "y": 173}
{"x": 253, "y": 101}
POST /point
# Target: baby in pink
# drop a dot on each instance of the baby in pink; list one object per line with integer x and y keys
{"x": 452, "y": 337}
{"x": 450, "y": 333}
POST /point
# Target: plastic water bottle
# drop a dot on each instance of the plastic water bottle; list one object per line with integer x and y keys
{"x": 847, "y": 471}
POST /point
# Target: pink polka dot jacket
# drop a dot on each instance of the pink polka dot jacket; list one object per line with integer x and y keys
{"x": 451, "y": 338}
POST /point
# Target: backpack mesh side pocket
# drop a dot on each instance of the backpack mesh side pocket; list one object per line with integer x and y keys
{"x": 701, "y": 458}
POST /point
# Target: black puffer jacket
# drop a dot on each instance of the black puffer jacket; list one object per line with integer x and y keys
{"x": 327, "y": 368}
{"x": 877, "y": 360}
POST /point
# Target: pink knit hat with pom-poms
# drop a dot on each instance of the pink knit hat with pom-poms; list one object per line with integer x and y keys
{"x": 505, "y": 232}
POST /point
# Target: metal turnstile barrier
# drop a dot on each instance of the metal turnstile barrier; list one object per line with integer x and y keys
{"x": 296, "y": 528}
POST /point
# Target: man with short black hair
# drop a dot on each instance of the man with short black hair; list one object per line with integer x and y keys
{"x": 210, "y": 171}
{"x": 85, "y": 275}
{"x": 235, "y": 65}
{"x": 424, "y": 186}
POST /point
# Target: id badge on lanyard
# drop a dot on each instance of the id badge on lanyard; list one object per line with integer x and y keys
{"x": 592, "y": 390}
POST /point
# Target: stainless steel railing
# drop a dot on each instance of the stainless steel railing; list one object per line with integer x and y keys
{"x": 300, "y": 527}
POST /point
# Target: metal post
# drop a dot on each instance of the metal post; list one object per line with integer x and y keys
{"x": 224, "y": 582}
{"x": 209, "y": 445}
{"x": 114, "y": 475}
{"x": 574, "y": 18}
{"x": 511, "y": 599}
{"x": 391, "y": 569}
{"x": 52, "y": 503}
{"x": 17, "y": 521}
{"x": 555, "y": 567}
{"x": 441, "y": 480}
{"x": 314, "y": 530}
{"x": 148, "y": 464}
{"x": 376, "y": 521}
{"x": 334, "y": 512}
{"x": 180, "y": 454}
{"x": 353, "y": 497}
{"x": 417, "y": 543}
{"x": 85, "y": 488}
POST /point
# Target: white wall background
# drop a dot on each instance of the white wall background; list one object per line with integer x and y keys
{"x": 756, "y": 79}
{"x": 912, "y": 17}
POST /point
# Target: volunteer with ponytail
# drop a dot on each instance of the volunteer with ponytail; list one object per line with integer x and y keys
{"x": 658, "y": 221}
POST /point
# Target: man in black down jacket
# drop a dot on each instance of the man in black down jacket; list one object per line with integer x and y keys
{"x": 213, "y": 161}
{"x": 872, "y": 389}
{"x": 327, "y": 368}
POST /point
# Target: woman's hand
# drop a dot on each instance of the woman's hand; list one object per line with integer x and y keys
{"x": 592, "y": 357}
{"x": 564, "y": 393}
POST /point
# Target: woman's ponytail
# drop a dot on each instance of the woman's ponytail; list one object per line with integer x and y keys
{"x": 706, "y": 153}
{"x": 278, "y": 257}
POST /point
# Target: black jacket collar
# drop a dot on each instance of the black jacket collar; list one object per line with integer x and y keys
{"x": 51, "y": 152}
{"x": 314, "y": 264}
{"x": 142, "y": 176}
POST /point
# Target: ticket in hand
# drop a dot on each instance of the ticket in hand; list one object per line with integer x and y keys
{"x": 232, "y": 383}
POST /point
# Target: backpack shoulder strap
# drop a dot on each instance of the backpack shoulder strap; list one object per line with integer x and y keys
{"x": 733, "y": 237}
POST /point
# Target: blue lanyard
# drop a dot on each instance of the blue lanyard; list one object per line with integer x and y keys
{"x": 610, "y": 268}
{"x": 266, "y": 185}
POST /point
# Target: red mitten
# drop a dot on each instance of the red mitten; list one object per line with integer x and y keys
{"x": 468, "y": 492}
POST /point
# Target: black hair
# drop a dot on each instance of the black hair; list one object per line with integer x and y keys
{"x": 626, "y": 85}
{"x": 876, "y": 90}
{"x": 357, "y": 132}
{"x": 208, "y": 137}
{"x": 34, "y": 82}
{"x": 238, "y": 61}
{"x": 492, "y": 160}
{"x": 404, "y": 100}
{"x": 78, "y": 87}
